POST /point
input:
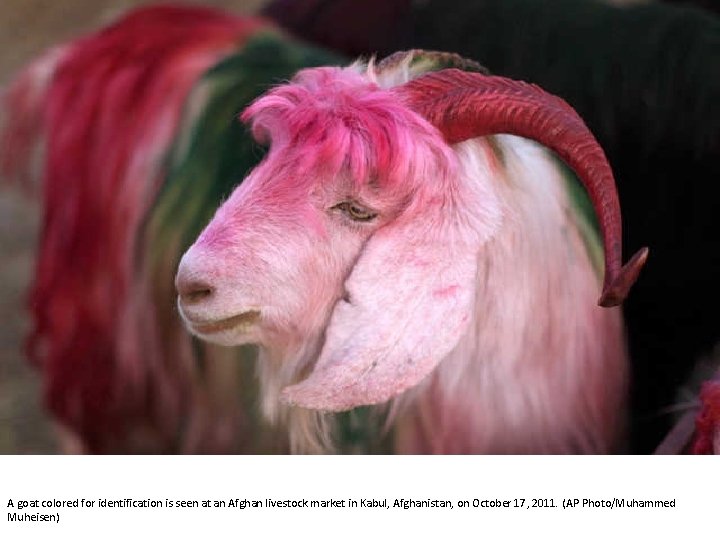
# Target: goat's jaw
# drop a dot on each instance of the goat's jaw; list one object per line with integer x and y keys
{"x": 234, "y": 330}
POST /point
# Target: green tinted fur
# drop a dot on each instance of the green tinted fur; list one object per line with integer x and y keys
{"x": 203, "y": 170}
{"x": 584, "y": 216}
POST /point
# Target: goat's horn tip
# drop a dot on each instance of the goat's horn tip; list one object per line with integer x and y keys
{"x": 614, "y": 293}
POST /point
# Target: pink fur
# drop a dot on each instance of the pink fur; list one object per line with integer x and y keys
{"x": 467, "y": 303}
{"x": 331, "y": 120}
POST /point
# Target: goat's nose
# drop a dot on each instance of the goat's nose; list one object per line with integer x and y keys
{"x": 191, "y": 289}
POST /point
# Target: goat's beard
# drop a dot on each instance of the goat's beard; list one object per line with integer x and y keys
{"x": 309, "y": 431}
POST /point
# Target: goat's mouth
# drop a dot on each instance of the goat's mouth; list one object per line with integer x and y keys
{"x": 236, "y": 322}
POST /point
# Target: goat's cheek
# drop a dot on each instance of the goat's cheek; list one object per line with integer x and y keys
{"x": 320, "y": 268}
{"x": 333, "y": 263}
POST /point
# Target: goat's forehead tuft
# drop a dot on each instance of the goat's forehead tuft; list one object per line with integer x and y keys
{"x": 338, "y": 120}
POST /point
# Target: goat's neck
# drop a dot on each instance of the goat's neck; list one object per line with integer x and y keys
{"x": 542, "y": 369}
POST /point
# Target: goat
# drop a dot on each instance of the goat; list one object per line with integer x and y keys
{"x": 645, "y": 79}
{"x": 390, "y": 250}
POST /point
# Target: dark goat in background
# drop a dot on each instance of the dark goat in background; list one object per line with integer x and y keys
{"x": 647, "y": 80}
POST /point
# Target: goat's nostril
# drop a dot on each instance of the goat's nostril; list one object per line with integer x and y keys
{"x": 193, "y": 291}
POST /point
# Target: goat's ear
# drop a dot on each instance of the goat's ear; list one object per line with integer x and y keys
{"x": 409, "y": 299}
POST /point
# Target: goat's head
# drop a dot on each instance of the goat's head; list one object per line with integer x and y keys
{"x": 358, "y": 235}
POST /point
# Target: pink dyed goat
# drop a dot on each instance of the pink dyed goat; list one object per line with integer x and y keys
{"x": 389, "y": 250}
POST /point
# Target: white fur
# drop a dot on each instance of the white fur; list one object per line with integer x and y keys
{"x": 532, "y": 375}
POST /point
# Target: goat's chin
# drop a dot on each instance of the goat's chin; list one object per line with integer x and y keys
{"x": 239, "y": 329}
{"x": 226, "y": 338}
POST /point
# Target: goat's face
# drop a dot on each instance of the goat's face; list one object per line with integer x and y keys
{"x": 350, "y": 232}
{"x": 271, "y": 265}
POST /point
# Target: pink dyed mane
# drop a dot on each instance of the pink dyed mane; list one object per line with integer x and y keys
{"x": 335, "y": 121}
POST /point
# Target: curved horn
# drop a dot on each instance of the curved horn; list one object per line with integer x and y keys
{"x": 466, "y": 105}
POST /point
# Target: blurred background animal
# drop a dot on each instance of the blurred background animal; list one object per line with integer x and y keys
{"x": 134, "y": 122}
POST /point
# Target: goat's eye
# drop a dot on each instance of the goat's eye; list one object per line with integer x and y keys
{"x": 355, "y": 212}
